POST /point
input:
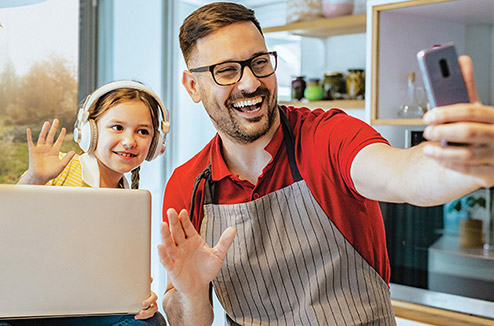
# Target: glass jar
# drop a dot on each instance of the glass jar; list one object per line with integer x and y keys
{"x": 298, "y": 88}
{"x": 355, "y": 84}
{"x": 326, "y": 87}
{"x": 303, "y": 10}
{"x": 314, "y": 91}
{"x": 334, "y": 86}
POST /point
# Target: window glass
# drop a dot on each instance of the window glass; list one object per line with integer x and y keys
{"x": 39, "y": 44}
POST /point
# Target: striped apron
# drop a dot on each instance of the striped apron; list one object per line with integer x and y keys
{"x": 289, "y": 264}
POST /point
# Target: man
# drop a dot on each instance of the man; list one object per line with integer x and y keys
{"x": 299, "y": 187}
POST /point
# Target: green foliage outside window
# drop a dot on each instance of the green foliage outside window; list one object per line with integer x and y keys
{"x": 47, "y": 91}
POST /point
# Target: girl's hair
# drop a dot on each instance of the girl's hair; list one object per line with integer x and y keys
{"x": 112, "y": 98}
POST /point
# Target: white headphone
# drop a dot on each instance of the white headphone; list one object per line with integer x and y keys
{"x": 86, "y": 132}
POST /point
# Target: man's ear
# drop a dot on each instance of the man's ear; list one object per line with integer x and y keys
{"x": 190, "y": 83}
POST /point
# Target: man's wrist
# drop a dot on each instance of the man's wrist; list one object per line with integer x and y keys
{"x": 198, "y": 298}
{"x": 184, "y": 309}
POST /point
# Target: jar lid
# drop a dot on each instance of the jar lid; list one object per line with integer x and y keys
{"x": 333, "y": 74}
{"x": 314, "y": 79}
{"x": 356, "y": 70}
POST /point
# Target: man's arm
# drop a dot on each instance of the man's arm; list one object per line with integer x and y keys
{"x": 191, "y": 266}
{"x": 431, "y": 174}
{"x": 388, "y": 174}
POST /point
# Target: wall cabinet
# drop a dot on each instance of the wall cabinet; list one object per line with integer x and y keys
{"x": 396, "y": 31}
{"x": 399, "y": 29}
{"x": 322, "y": 29}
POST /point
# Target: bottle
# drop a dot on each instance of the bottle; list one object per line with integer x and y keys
{"x": 413, "y": 105}
{"x": 298, "y": 88}
{"x": 314, "y": 91}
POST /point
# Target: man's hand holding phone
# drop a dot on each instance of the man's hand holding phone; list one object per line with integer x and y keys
{"x": 470, "y": 124}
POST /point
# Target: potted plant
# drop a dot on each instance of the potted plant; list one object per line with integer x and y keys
{"x": 468, "y": 212}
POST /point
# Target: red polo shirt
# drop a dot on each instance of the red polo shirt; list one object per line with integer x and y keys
{"x": 326, "y": 143}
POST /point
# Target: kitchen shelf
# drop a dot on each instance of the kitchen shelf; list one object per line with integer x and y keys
{"x": 325, "y": 27}
{"x": 341, "y": 104}
{"x": 398, "y": 122}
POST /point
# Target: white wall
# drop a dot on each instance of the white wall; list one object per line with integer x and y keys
{"x": 192, "y": 128}
{"x": 133, "y": 50}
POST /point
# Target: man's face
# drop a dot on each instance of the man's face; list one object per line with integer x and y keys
{"x": 246, "y": 110}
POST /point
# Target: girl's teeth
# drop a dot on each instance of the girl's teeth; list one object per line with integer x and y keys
{"x": 126, "y": 155}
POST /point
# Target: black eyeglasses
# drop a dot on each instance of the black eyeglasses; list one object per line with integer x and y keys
{"x": 230, "y": 72}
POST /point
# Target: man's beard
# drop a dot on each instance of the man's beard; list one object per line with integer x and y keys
{"x": 234, "y": 129}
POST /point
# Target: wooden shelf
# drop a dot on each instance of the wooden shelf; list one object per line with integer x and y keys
{"x": 325, "y": 27}
{"x": 340, "y": 104}
{"x": 435, "y": 316}
{"x": 397, "y": 122}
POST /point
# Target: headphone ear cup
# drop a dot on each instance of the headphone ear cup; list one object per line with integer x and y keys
{"x": 89, "y": 136}
{"x": 155, "y": 149}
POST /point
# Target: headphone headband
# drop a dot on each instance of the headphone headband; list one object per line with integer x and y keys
{"x": 114, "y": 85}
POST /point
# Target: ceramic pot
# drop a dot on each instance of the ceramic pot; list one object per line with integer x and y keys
{"x": 470, "y": 235}
{"x": 334, "y": 8}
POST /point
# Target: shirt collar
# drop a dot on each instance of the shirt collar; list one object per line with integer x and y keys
{"x": 220, "y": 170}
{"x": 90, "y": 171}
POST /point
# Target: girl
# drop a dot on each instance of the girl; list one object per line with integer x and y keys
{"x": 118, "y": 127}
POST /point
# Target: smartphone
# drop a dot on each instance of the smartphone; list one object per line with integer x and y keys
{"x": 441, "y": 73}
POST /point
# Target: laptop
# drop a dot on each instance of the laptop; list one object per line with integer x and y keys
{"x": 73, "y": 251}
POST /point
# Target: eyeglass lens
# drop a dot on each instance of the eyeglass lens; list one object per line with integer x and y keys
{"x": 231, "y": 72}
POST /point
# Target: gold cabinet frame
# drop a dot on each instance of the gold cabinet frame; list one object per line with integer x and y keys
{"x": 376, "y": 10}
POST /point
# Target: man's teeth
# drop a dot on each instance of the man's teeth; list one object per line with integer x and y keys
{"x": 244, "y": 103}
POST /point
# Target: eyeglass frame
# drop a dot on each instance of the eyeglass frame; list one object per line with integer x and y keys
{"x": 243, "y": 64}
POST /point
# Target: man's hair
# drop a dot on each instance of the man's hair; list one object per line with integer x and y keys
{"x": 210, "y": 18}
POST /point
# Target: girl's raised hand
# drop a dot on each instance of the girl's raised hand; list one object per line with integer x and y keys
{"x": 44, "y": 161}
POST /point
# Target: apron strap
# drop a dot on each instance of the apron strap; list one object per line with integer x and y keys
{"x": 289, "y": 140}
{"x": 208, "y": 188}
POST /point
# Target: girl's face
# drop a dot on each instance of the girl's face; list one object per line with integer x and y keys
{"x": 125, "y": 132}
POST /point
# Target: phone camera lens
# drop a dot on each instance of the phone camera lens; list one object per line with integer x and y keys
{"x": 444, "y": 68}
